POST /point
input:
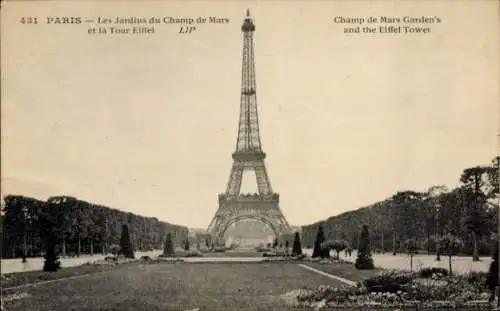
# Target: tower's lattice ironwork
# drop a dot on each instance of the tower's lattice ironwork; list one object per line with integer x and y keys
{"x": 264, "y": 205}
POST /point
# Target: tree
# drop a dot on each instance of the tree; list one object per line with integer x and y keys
{"x": 469, "y": 212}
{"x": 297, "y": 245}
{"x": 125, "y": 244}
{"x": 80, "y": 226}
{"x": 287, "y": 245}
{"x": 320, "y": 238}
{"x": 450, "y": 245}
{"x": 432, "y": 214}
{"x": 52, "y": 263}
{"x": 478, "y": 189}
{"x": 336, "y": 245}
{"x": 114, "y": 249}
{"x": 364, "y": 261}
{"x": 186, "y": 245}
{"x": 168, "y": 249}
{"x": 13, "y": 222}
{"x": 407, "y": 206}
{"x": 492, "y": 275}
{"x": 411, "y": 249}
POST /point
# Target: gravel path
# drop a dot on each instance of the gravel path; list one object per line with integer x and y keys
{"x": 402, "y": 262}
{"x": 36, "y": 264}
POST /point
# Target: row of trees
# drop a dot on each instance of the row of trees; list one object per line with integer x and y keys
{"x": 79, "y": 227}
{"x": 469, "y": 212}
{"x": 448, "y": 244}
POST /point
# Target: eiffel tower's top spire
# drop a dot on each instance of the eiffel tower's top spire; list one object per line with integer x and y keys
{"x": 248, "y": 131}
{"x": 248, "y": 23}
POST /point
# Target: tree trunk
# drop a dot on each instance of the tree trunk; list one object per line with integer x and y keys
{"x": 79, "y": 248}
{"x": 475, "y": 255}
{"x": 394, "y": 243}
{"x": 382, "y": 244}
{"x": 411, "y": 263}
{"x": 428, "y": 239}
{"x": 25, "y": 246}
{"x": 91, "y": 247}
{"x": 449, "y": 261}
{"x": 64, "y": 247}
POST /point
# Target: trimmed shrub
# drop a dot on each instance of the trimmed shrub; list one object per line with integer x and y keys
{"x": 336, "y": 245}
{"x": 193, "y": 253}
{"x": 430, "y": 271}
{"x": 168, "y": 248}
{"x": 125, "y": 245}
{"x": 114, "y": 249}
{"x": 269, "y": 254}
{"x": 388, "y": 281}
{"x": 219, "y": 249}
{"x": 299, "y": 257}
{"x": 297, "y": 245}
{"x": 364, "y": 261}
{"x": 317, "y": 250}
{"x": 262, "y": 249}
{"x": 276, "y": 253}
{"x": 204, "y": 249}
{"x": 52, "y": 263}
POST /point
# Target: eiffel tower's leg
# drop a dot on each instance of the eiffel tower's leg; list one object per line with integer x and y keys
{"x": 213, "y": 224}
{"x": 235, "y": 178}
{"x": 263, "y": 183}
{"x": 282, "y": 224}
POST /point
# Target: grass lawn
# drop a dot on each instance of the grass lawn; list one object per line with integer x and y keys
{"x": 19, "y": 278}
{"x": 344, "y": 270}
{"x": 166, "y": 286}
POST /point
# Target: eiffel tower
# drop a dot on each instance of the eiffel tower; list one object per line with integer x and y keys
{"x": 264, "y": 205}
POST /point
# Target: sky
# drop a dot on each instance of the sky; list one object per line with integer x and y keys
{"x": 147, "y": 124}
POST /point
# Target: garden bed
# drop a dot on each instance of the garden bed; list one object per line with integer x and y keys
{"x": 396, "y": 289}
{"x": 179, "y": 253}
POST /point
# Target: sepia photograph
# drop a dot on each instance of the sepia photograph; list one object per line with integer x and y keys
{"x": 250, "y": 155}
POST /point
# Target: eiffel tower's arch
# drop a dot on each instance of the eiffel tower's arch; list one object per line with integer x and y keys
{"x": 225, "y": 226}
{"x": 234, "y": 208}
